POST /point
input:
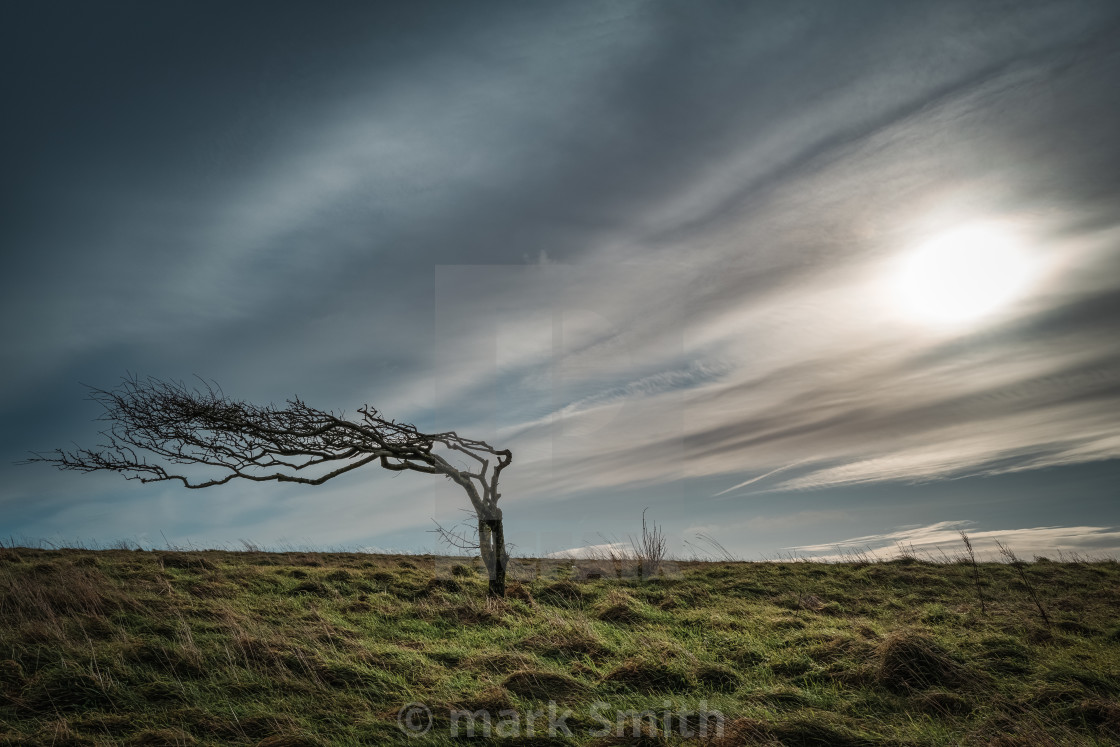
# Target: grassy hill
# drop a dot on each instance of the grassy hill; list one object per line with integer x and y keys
{"x": 177, "y": 648}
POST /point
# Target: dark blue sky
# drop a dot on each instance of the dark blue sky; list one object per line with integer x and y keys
{"x": 790, "y": 274}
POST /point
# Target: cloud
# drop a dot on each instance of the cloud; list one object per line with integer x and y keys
{"x": 596, "y": 552}
{"x": 942, "y": 539}
{"x": 824, "y": 373}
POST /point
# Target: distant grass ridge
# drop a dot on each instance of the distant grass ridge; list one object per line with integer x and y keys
{"x": 217, "y": 647}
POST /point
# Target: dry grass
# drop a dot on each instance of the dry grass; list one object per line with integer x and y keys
{"x": 219, "y": 648}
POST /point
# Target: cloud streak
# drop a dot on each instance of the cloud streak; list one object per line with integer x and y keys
{"x": 930, "y": 541}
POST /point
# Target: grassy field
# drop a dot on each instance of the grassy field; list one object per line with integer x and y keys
{"x": 178, "y": 648}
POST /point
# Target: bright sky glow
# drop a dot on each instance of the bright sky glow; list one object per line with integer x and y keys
{"x": 964, "y": 275}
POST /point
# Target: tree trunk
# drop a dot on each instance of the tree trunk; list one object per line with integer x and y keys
{"x": 492, "y": 544}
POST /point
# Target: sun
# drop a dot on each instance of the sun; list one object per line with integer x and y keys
{"x": 963, "y": 275}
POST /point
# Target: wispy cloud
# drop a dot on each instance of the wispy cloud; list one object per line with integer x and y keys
{"x": 818, "y": 378}
{"x": 759, "y": 478}
{"x": 942, "y": 539}
{"x": 595, "y": 552}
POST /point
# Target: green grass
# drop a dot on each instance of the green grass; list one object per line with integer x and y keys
{"x": 175, "y": 648}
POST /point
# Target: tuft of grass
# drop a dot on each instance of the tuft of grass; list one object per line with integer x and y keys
{"x": 185, "y": 561}
{"x": 543, "y": 685}
{"x": 59, "y": 689}
{"x": 463, "y": 571}
{"x": 914, "y": 661}
{"x": 621, "y": 609}
{"x": 562, "y": 594}
{"x": 565, "y": 640}
{"x": 718, "y": 678}
{"x": 520, "y": 593}
{"x": 642, "y": 675}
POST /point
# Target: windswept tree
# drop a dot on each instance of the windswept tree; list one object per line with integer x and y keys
{"x": 164, "y": 430}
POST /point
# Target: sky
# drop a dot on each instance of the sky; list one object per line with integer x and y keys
{"x": 799, "y": 278}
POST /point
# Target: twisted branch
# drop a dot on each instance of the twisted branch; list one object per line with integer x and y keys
{"x": 181, "y": 425}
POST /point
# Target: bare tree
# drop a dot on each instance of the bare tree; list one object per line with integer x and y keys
{"x": 185, "y": 427}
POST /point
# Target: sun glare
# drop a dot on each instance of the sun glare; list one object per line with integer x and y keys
{"x": 963, "y": 275}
